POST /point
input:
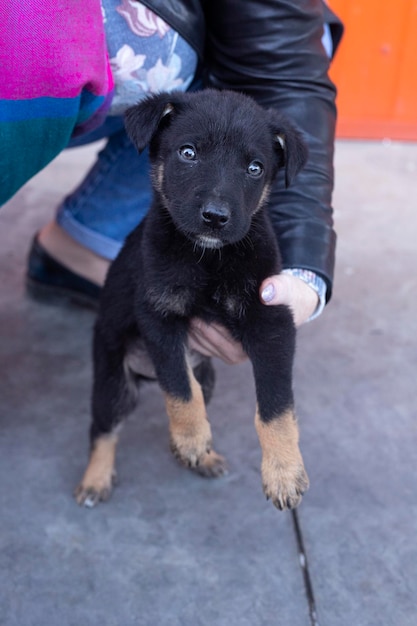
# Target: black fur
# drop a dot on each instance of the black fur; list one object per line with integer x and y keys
{"x": 203, "y": 250}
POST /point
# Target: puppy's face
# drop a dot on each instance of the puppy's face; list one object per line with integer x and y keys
{"x": 214, "y": 156}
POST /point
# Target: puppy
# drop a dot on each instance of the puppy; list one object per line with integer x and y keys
{"x": 202, "y": 251}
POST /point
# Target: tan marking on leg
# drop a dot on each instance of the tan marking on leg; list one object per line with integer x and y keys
{"x": 283, "y": 475}
{"x": 191, "y": 433}
{"x": 188, "y": 424}
{"x": 98, "y": 478}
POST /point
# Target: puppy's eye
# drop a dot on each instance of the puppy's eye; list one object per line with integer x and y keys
{"x": 255, "y": 169}
{"x": 187, "y": 152}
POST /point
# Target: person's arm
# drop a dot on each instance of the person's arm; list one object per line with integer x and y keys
{"x": 272, "y": 50}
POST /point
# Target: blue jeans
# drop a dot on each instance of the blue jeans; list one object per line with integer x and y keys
{"x": 113, "y": 197}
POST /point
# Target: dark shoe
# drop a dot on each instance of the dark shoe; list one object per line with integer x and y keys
{"x": 49, "y": 281}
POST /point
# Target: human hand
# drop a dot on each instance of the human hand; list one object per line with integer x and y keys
{"x": 292, "y": 291}
{"x": 215, "y": 340}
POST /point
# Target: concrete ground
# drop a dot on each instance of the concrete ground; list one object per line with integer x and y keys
{"x": 173, "y": 549}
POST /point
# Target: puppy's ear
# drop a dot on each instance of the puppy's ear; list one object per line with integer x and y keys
{"x": 144, "y": 119}
{"x": 290, "y": 146}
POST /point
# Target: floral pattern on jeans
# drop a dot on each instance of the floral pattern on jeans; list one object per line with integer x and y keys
{"x": 146, "y": 54}
{"x": 126, "y": 63}
{"x": 141, "y": 20}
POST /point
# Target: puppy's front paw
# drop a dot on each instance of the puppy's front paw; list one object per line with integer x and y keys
{"x": 190, "y": 432}
{"x": 209, "y": 464}
{"x": 190, "y": 451}
{"x": 284, "y": 484}
{"x": 212, "y": 465}
{"x": 283, "y": 475}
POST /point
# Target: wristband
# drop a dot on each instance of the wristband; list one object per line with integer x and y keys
{"x": 315, "y": 282}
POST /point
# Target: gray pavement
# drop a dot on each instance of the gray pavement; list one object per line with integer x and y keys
{"x": 171, "y": 548}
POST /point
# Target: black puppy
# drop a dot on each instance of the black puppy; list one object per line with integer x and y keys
{"x": 202, "y": 251}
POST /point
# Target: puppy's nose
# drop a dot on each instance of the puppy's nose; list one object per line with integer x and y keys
{"x": 215, "y": 215}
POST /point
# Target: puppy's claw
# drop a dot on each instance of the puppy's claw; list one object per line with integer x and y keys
{"x": 190, "y": 457}
{"x": 212, "y": 465}
{"x": 209, "y": 464}
{"x": 91, "y": 496}
{"x": 86, "y": 497}
{"x": 287, "y": 492}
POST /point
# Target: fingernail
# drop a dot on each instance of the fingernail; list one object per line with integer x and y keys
{"x": 268, "y": 293}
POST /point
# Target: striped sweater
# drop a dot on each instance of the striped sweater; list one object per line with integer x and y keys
{"x": 55, "y": 82}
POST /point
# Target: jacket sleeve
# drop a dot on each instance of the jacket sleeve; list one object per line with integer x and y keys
{"x": 272, "y": 51}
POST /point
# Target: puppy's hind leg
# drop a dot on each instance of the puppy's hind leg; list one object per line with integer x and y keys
{"x": 114, "y": 397}
{"x": 205, "y": 375}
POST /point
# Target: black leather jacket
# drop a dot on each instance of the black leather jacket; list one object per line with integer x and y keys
{"x": 272, "y": 50}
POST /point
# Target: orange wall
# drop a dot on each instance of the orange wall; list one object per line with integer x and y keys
{"x": 375, "y": 69}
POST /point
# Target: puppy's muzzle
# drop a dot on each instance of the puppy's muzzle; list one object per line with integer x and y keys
{"x": 215, "y": 215}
